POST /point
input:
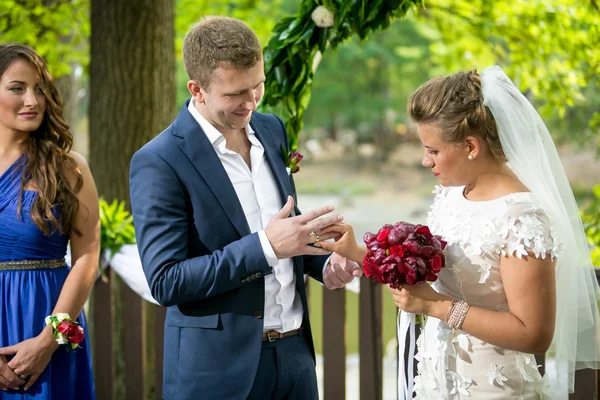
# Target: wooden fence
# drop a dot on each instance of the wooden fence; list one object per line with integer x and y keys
{"x": 129, "y": 365}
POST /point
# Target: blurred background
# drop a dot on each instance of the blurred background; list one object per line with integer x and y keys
{"x": 119, "y": 69}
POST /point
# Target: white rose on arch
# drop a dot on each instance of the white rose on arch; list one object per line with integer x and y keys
{"x": 322, "y": 17}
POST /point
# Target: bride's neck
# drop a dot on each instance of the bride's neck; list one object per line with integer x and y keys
{"x": 494, "y": 181}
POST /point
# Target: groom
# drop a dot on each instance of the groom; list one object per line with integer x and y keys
{"x": 212, "y": 200}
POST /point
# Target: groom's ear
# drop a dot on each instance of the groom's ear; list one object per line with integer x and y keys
{"x": 195, "y": 91}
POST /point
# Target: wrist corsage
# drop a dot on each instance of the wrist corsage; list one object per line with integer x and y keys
{"x": 65, "y": 330}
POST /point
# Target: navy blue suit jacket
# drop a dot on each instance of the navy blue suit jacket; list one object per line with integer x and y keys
{"x": 202, "y": 261}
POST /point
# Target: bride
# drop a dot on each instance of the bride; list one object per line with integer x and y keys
{"x": 518, "y": 279}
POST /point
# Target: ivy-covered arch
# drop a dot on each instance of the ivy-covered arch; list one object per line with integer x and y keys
{"x": 301, "y": 39}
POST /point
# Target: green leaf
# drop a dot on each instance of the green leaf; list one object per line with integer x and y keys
{"x": 116, "y": 226}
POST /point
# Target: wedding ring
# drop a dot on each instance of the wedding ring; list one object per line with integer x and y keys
{"x": 314, "y": 237}
{"x": 23, "y": 376}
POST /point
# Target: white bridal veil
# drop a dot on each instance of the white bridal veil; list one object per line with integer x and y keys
{"x": 533, "y": 157}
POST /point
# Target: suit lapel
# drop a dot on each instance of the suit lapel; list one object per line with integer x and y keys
{"x": 201, "y": 153}
{"x": 272, "y": 145}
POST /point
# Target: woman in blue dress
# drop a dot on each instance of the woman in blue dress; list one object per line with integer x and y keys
{"x": 47, "y": 198}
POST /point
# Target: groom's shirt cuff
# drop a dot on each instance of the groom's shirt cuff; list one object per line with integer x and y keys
{"x": 267, "y": 249}
{"x": 326, "y": 264}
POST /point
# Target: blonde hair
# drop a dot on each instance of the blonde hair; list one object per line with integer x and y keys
{"x": 215, "y": 40}
{"x": 454, "y": 104}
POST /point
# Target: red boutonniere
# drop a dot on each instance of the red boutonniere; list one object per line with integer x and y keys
{"x": 291, "y": 160}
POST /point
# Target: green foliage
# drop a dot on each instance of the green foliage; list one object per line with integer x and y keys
{"x": 296, "y": 40}
{"x": 590, "y": 217}
{"x": 116, "y": 226}
{"x": 260, "y": 15}
{"x": 548, "y": 47}
{"x": 56, "y": 29}
{"x": 365, "y": 85}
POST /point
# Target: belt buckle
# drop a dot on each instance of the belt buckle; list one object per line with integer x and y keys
{"x": 273, "y": 338}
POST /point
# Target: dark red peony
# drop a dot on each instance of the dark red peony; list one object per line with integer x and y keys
{"x": 403, "y": 253}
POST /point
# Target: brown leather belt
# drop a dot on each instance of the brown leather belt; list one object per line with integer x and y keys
{"x": 272, "y": 336}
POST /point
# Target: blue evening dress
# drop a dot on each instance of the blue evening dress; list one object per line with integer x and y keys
{"x": 28, "y": 296}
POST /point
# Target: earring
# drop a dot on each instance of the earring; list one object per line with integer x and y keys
{"x": 470, "y": 157}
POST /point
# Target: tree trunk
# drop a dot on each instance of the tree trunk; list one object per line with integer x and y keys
{"x": 132, "y": 85}
{"x": 68, "y": 87}
{"x": 132, "y": 98}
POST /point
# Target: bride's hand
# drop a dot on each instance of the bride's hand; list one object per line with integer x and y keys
{"x": 417, "y": 299}
{"x": 345, "y": 242}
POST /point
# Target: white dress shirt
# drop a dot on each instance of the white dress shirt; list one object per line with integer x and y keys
{"x": 259, "y": 196}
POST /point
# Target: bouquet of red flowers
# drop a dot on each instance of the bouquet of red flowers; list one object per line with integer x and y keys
{"x": 403, "y": 253}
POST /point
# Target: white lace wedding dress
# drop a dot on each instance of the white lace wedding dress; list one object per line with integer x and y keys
{"x": 458, "y": 366}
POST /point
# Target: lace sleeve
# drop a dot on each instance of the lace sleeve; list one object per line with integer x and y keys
{"x": 526, "y": 230}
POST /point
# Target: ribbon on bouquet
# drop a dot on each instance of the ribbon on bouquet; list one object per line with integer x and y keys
{"x": 406, "y": 325}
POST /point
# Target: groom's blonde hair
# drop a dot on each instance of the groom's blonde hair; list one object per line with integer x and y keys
{"x": 454, "y": 104}
{"x": 215, "y": 40}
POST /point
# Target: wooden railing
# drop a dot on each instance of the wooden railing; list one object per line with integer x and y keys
{"x": 127, "y": 335}
{"x": 129, "y": 366}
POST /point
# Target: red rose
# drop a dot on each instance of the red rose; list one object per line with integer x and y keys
{"x": 382, "y": 237}
{"x": 397, "y": 250}
{"x": 76, "y": 334}
{"x": 64, "y": 327}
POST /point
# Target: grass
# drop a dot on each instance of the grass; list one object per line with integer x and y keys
{"x": 316, "y": 318}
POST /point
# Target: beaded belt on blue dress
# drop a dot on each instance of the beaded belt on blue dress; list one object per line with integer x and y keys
{"x": 31, "y": 264}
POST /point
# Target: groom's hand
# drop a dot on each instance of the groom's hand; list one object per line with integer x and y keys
{"x": 291, "y": 236}
{"x": 340, "y": 271}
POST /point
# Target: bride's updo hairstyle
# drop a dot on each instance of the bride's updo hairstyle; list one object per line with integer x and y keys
{"x": 454, "y": 103}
